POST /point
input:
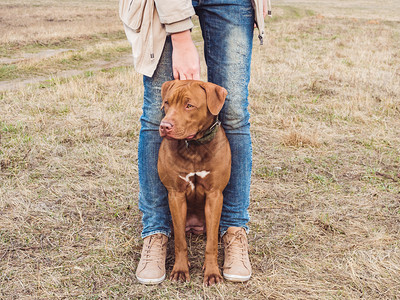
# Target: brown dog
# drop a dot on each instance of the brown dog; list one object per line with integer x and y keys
{"x": 194, "y": 164}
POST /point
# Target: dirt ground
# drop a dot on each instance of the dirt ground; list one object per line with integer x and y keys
{"x": 325, "y": 194}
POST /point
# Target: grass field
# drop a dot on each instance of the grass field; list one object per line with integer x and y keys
{"x": 325, "y": 104}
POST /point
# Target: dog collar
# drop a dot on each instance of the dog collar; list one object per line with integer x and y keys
{"x": 208, "y": 136}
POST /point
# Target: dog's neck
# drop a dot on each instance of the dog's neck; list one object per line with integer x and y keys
{"x": 208, "y": 136}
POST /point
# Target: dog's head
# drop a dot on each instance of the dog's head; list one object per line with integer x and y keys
{"x": 190, "y": 107}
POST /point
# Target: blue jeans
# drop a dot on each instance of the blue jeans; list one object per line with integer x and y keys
{"x": 227, "y": 27}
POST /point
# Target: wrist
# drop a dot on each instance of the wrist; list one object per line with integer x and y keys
{"x": 183, "y": 36}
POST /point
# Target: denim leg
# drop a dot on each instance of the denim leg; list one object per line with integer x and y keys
{"x": 153, "y": 196}
{"x": 227, "y": 27}
{"x": 228, "y": 37}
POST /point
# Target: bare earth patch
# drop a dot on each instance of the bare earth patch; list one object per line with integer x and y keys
{"x": 40, "y": 55}
{"x": 325, "y": 105}
{"x": 96, "y": 66}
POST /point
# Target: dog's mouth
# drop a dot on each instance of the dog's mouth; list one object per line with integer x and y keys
{"x": 171, "y": 131}
{"x": 172, "y": 137}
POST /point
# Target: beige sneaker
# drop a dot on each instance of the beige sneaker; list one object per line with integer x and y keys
{"x": 236, "y": 264}
{"x": 151, "y": 267}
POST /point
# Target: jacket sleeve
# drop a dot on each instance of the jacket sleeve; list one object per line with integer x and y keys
{"x": 175, "y": 14}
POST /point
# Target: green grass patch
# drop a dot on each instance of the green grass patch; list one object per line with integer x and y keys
{"x": 80, "y": 60}
{"x": 75, "y": 42}
{"x": 11, "y": 128}
{"x": 8, "y": 72}
{"x": 290, "y": 12}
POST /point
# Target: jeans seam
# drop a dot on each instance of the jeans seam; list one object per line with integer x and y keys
{"x": 168, "y": 234}
{"x": 223, "y": 232}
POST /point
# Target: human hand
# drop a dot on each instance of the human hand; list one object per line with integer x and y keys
{"x": 265, "y": 8}
{"x": 185, "y": 58}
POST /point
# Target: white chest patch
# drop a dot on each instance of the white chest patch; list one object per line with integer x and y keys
{"x": 202, "y": 174}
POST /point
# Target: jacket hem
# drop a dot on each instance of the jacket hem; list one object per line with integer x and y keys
{"x": 179, "y": 26}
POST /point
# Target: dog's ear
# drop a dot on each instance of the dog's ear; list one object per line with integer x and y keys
{"x": 215, "y": 97}
{"x": 165, "y": 88}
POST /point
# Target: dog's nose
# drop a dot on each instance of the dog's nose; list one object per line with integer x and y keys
{"x": 166, "y": 127}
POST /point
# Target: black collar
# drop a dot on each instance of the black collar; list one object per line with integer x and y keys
{"x": 208, "y": 136}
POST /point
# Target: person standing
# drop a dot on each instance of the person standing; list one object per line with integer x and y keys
{"x": 163, "y": 50}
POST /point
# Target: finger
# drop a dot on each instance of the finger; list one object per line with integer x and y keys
{"x": 265, "y": 12}
{"x": 196, "y": 76}
{"x": 176, "y": 74}
{"x": 182, "y": 77}
{"x": 189, "y": 76}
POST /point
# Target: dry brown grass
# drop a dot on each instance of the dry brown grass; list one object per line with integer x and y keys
{"x": 48, "y": 21}
{"x": 325, "y": 103}
{"x": 298, "y": 139}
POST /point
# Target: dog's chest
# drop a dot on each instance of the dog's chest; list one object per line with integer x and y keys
{"x": 193, "y": 179}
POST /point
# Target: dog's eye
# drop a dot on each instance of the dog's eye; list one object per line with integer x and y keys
{"x": 189, "y": 105}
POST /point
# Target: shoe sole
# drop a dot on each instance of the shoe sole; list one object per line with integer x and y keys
{"x": 236, "y": 278}
{"x": 151, "y": 281}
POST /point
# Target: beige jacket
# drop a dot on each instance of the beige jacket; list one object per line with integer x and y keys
{"x": 147, "y": 23}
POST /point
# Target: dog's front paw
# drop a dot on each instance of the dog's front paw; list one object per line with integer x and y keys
{"x": 180, "y": 272}
{"x": 212, "y": 275}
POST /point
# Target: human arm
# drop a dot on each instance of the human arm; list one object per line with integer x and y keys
{"x": 175, "y": 15}
{"x": 185, "y": 58}
{"x": 265, "y": 8}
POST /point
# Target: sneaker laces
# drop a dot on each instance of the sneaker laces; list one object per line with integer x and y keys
{"x": 153, "y": 250}
{"x": 237, "y": 247}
